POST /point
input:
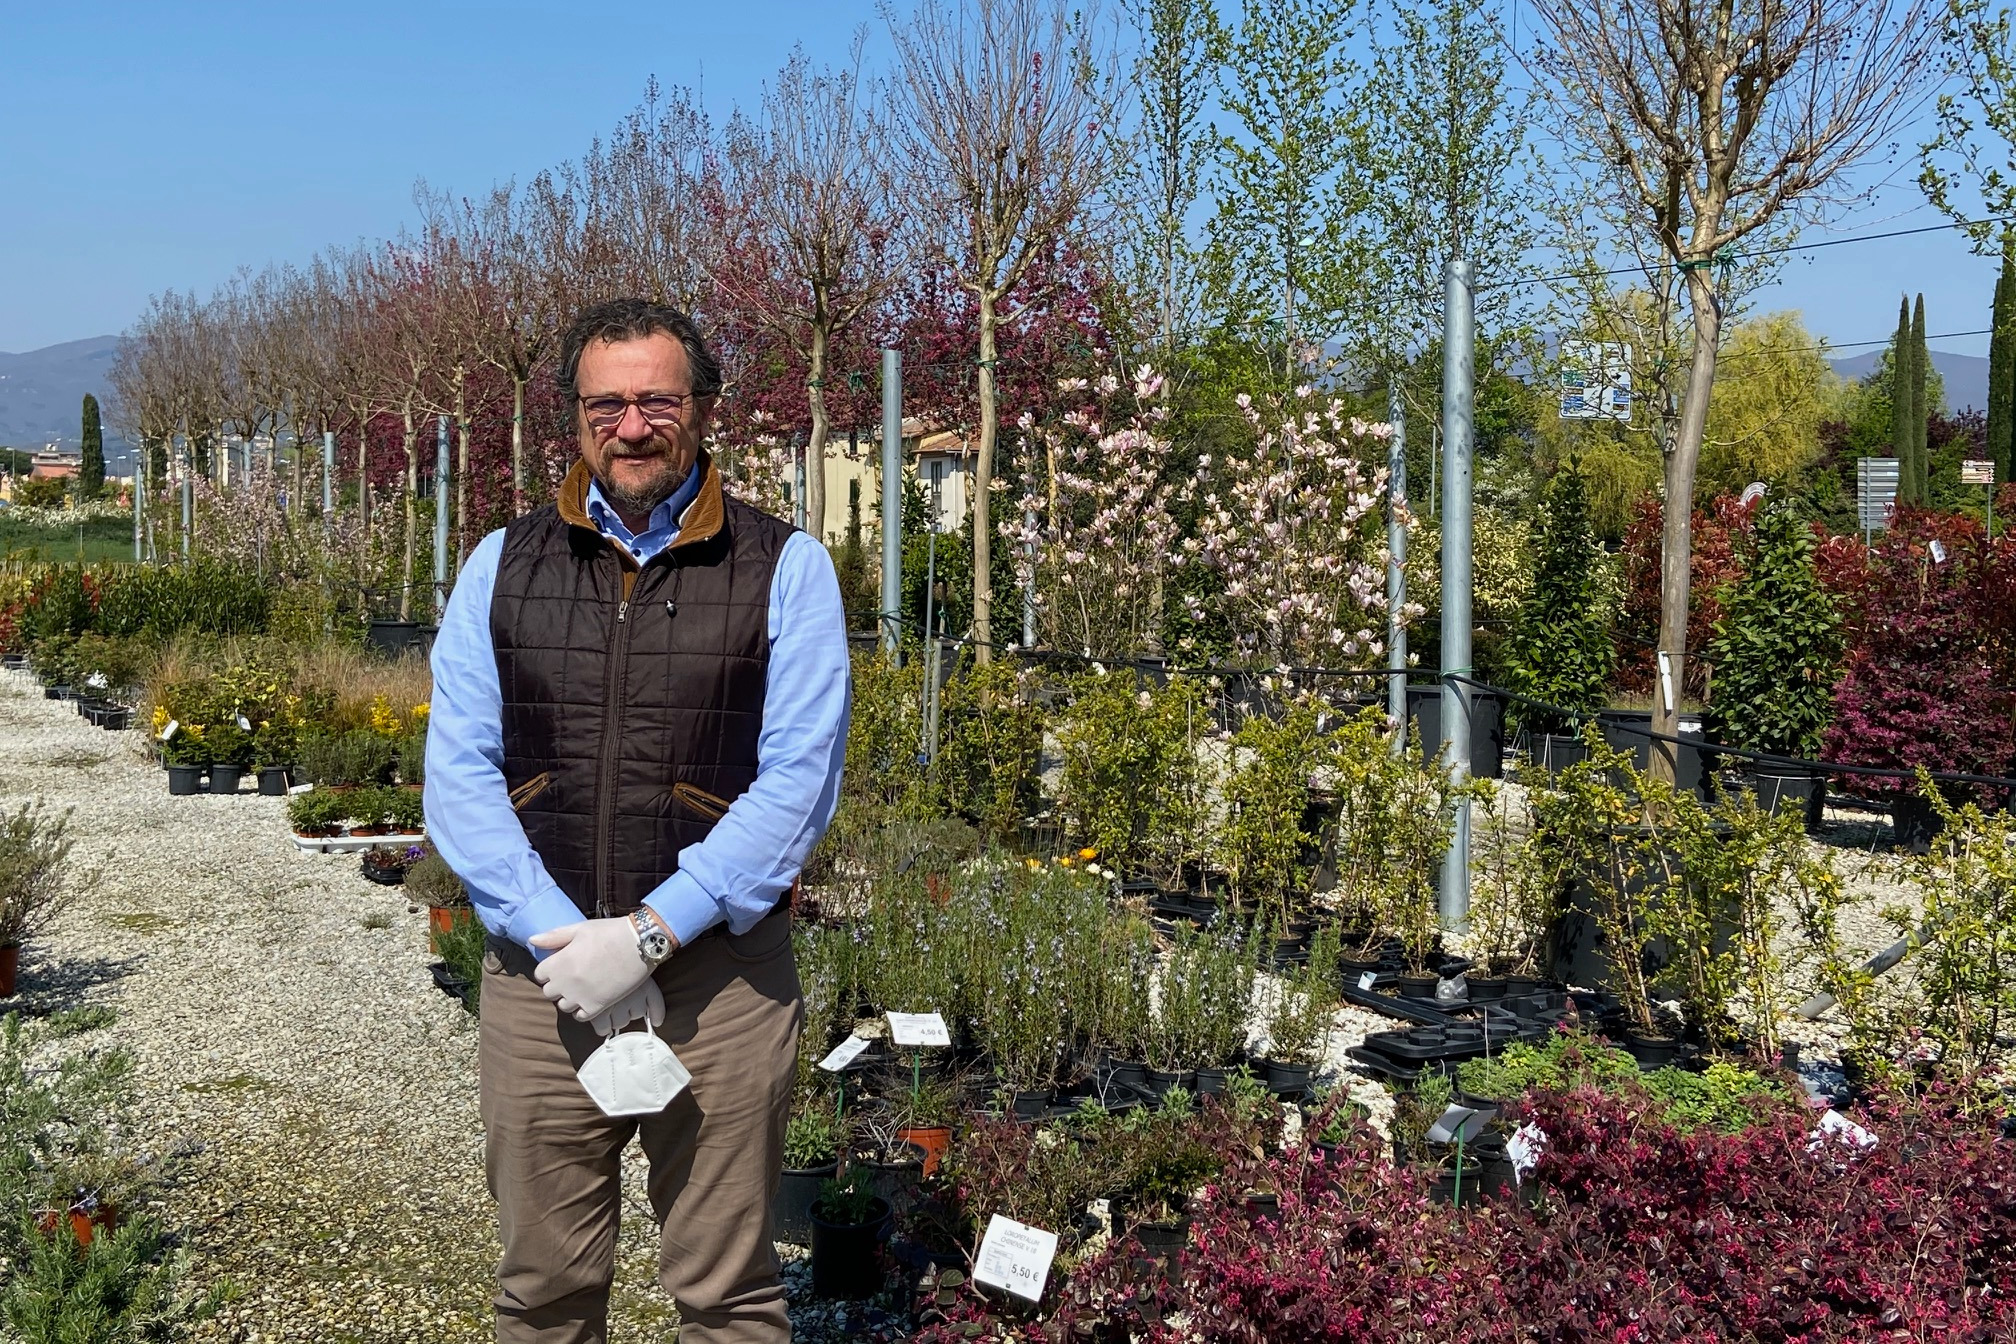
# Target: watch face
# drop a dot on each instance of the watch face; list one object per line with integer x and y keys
{"x": 656, "y": 946}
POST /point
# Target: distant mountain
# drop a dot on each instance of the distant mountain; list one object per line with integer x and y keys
{"x": 42, "y": 396}
{"x": 1966, "y": 376}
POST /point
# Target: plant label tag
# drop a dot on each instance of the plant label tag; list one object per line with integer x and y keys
{"x": 1015, "y": 1257}
{"x": 300, "y": 788}
{"x": 1458, "y": 1122}
{"x": 1842, "y": 1130}
{"x": 1524, "y": 1148}
{"x": 844, "y": 1054}
{"x": 172, "y": 727}
{"x": 244, "y": 724}
{"x": 920, "y": 1029}
{"x": 1369, "y": 979}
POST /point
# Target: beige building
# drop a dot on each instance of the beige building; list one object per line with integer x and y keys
{"x": 941, "y": 461}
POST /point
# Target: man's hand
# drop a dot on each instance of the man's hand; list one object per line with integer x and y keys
{"x": 595, "y": 966}
{"x": 645, "y": 1001}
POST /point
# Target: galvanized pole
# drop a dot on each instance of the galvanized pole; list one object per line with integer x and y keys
{"x": 441, "y": 497}
{"x": 139, "y": 461}
{"x": 892, "y": 495}
{"x": 328, "y": 478}
{"x": 798, "y": 488}
{"x": 188, "y": 492}
{"x": 1458, "y": 429}
{"x": 1396, "y": 563}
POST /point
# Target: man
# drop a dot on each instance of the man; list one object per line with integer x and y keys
{"x": 639, "y": 717}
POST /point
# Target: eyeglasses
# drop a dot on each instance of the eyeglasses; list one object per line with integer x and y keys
{"x": 657, "y": 408}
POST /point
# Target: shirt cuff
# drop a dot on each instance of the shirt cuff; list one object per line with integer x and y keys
{"x": 685, "y": 907}
{"x": 547, "y": 911}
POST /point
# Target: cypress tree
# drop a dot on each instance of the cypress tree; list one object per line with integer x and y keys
{"x": 1921, "y": 360}
{"x": 91, "y": 471}
{"x": 2002, "y": 364}
{"x": 1561, "y": 651}
{"x": 1900, "y": 400}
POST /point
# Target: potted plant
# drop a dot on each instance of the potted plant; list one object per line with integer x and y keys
{"x": 848, "y": 1222}
{"x": 1513, "y": 895}
{"x": 1298, "y": 1027}
{"x": 811, "y": 1157}
{"x": 274, "y": 744}
{"x": 405, "y": 813}
{"x": 924, "y": 1118}
{"x": 34, "y": 884}
{"x": 1561, "y": 652}
{"x": 1266, "y": 851}
{"x": 411, "y": 760}
{"x": 186, "y": 754}
{"x": 432, "y": 883}
{"x": 317, "y": 813}
{"x": 1776, "y": 655}
{"x": 387, "y": 864}
{"x": 1200, "y": 1016}
{"x": 230, "y": 744}
{"x": 1165, "y": 1155}
{"x": 459, "y": 973}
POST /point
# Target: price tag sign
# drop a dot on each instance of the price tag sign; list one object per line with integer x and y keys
{"x": 172, "y": 727}
{"x": 244, "y": 724}
{"x": 844, "y": 1054}
{"x": 1369, "y": 979}
{"x": 918, "y": 1029}
{"x": 301, "y": 788}
{"x": 1015, "y": 1257}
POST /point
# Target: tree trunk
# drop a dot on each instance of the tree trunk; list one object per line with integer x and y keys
{"x": 412, "y": 520}
{"x": 364, "y": 469}
{"x": 815, "y": 446}
{"x": 461, "y": 467}
{"x": 983, "y": 486}
{"x": 517, "y": 446}
{"x": 1676, "y": 555}
{"x": 294, "y": 489}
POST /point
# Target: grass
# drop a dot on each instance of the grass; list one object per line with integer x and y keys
{"x": 144, "y": 921}
{"x": 99, "y": 541}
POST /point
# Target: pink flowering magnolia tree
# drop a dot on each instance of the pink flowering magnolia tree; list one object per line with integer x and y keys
{"x": 1295, "y": 533}
{"x": 1095, "y": 528}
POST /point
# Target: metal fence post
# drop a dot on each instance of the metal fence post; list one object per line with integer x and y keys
{"x": 1458, "y": 381}
{"x": 892, "y": 496}
{"x": 1396, "y": 565}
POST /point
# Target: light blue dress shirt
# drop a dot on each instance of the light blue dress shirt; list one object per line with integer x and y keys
{"x": 750, "y": 858}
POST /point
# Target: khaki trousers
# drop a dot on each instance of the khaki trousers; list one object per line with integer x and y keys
{"x": 733, "y": 1010}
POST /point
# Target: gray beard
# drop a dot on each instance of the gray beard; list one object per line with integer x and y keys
{"x": 630, "y": 501}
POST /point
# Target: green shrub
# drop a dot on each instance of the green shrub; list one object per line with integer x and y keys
{"x": 1777, "y": 647}
{"x": 412, "y": 758}
{"x": 1561, "y": 651}
{"x": 461, "y": 948}
{"x": 1132, "y": 788}
{"x": 990, "y": 738}
{"x": 404, "y": 810}
{"x": 1723, "y": 1097}
{"x": 316, "y": 812}
{"x": 430, "y": 881}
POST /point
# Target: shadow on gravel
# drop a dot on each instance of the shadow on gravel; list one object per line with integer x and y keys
{"x": 47, "y": 986}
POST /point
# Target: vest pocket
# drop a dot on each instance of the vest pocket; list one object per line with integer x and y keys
{"x": 710, "y": 806}
{"x": 530, "y": 789}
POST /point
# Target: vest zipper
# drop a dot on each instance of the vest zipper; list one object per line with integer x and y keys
{"x": 612, "y": 746}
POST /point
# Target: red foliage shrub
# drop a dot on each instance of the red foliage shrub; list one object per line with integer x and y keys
{"x": 1716, "y": 533}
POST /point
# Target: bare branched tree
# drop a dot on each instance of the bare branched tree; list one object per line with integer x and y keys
{"x": 1714, "y": 120}
{"x": 807, "y": 207}
{"x": 997, "y": 105}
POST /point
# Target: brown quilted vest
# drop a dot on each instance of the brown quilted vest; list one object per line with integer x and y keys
{"x": 633, "y": 698}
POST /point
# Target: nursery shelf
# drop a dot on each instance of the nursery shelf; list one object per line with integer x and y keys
{"x": 351, "y": 844}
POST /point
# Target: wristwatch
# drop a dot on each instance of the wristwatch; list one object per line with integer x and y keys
{"x": 652, "y": 942}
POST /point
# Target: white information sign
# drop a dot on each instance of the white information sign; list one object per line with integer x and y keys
{"x": 1015, "y": 1257}
{"x": 1369, "y": 979}
{"x": 169, "y": 730}
{"x": 918, "y": 1029}
{"x": 844, "y": 1054}
{"x": 1595, "y": 380}
{"x": 301, "y": 788}
{"x": 244, "y": 724}
{"x": 1974, "y": 471}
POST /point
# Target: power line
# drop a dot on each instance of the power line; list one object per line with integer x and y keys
{"x": 1760, "y": 252}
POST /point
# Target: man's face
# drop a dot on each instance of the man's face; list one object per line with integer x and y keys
{"x": 638, "y": 463}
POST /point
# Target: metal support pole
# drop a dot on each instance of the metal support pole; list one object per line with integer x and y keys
{"x": 892, "y": 495}
{"x": 1458, "y": 375}
{"x": 188, "y": 492}
{"x": 1396, "y": 566}
{"x": 798, "y": 488}
{"x": 139, "y": 461}
{"x": 441, "y": 498}
{"x": 328, "y": 478}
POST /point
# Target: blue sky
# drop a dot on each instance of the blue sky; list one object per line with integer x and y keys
{"x": 153, "y": 146}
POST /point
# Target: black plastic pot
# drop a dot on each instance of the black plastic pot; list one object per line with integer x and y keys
{"x": 1442, "y": 1187}
{"x": 1159, "y": 1082}
{"x": 1262, "y": 1204}
{"x": 393, "y": 638}
{"x": 225, "y": 778}
{"x": 844, "y": 1259}
{"x": 185, "y": 779}
{"x": 55, "y": 692}
{"x": 894, "y": 1179}
{"x": 1418, "y": 986}
{"x": 1788, "y": 790}
{"x": 791, "y": 1207}
{"x": 1485, "y": 988}
{"x": 1487, "y": 727}
{"x": 1288, "y": 1080}
{"x": 1555, "y": 751}
{"x": 1161, "y": 1240}
{"x": 1031, "y": 1105}
{"x": 1128, "y": 1073}
{"x": 1617, "y": 725}
{"x": 117, "y": 718}
{"x": 1211, "y": 1080}
{"x": 273, "y": 780}
{"x": 1651, "y": 1052}
{"x": 1914, "y": 823}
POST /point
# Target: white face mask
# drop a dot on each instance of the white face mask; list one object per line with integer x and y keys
{"x": 633, "y": 1073}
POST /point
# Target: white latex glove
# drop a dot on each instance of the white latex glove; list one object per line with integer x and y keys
{"x": 595, "y": 966}
{"x": 645, "y": 1001}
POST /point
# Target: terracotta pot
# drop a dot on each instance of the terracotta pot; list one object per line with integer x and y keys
{"x": 84, "y": 1223}
{"x": 448, "y": 918}
{"x": 935, "y": 1140}
{"x": 10, "y": 967}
